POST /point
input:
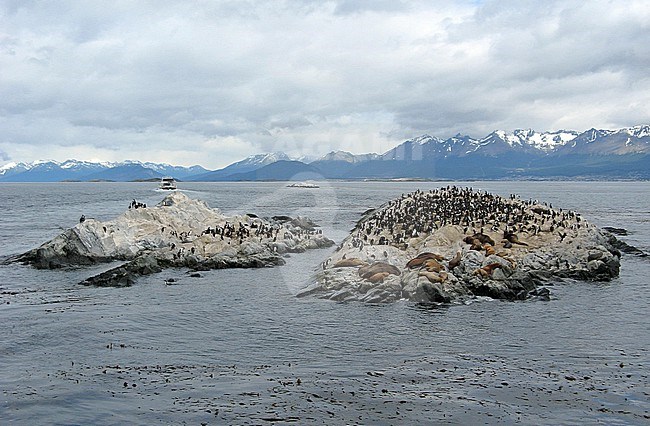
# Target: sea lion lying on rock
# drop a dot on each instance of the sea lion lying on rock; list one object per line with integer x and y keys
{"x": 433, "y": 276}
{"x": 346, "y": 263}
{"x": 487, "y": 270}
{"x": 432, "y": 265}
{"x": 512, "y": 238}
{"x": 455, "y": 261}
{"x": 368, "y": 271}
{"x": 482, "y": 238}
{"x": 378, "y": 277}
{"x": 475, "y": 244}
{"x": 419, "y": 260}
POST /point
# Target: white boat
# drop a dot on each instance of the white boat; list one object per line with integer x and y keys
{"x": 167, "y": 183}
{"x": 302, "y": 185}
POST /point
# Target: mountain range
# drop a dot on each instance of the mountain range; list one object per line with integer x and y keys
{"x": 73, "y": 170}
{"x": 521, "y": 154}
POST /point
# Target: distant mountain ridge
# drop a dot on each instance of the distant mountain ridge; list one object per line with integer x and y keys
{"x": 520, "y": 154}
{"x": 248, "y": 164}
{"x": 73, "y": 170}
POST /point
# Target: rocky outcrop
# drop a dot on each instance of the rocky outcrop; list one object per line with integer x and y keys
{"x": 453, "y": 244}
{"x": 178, "y": 232}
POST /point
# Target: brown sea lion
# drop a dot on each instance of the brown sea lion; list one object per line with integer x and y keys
{"x": 476, "y": 245}
{"x": 489, "y": 249}
{"x": 432, "y": 265}
{"x": 455, "y": 261}
{"x": 512, "y": 237}
{"x": 418, "y": 260}
{"x": 345, "y": 263}
{"x": 468, "y": 239}
{"x": 434, "y": 277}
{"x": 378, "y": 277}
{"x": 483, "y": 239}
{"x": 377, "y": 267}
{"x": 487, "y": 270}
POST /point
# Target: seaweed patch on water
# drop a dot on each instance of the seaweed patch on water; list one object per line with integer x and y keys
{"x": 426, "y": 389}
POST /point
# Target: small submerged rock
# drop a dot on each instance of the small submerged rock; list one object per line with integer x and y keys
{"x": 454, "y": 243}
{"x": 178, "y": 232}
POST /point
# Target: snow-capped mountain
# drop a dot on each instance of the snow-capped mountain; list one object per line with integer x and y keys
{"x": 348, "y": 157}
{"x": 70, "y": 170}
{"x": 414, "y": 149}
{"x": 527, "y": 141}
{"x": 178, "y": 172}
{"x": 638, "y": 131}
{"x": 259, "y": 160}
{"x": 632, "y": 140}
{"x": 522, "y": 139}
{"x": 501, "y": 154}
{"x": 547, "y": 141}
{"x": 47, "y": 171}
{"x": 13, "y": 169}
{"x": 248, "y": 164}
{"x": 623, "y": 153}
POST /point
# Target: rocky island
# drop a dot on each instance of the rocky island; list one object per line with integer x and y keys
{"x": 178, "y": 232}
{"x": 452, "y": 244}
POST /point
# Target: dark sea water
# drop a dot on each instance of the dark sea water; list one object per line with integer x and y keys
{"x": 236, "y": 346}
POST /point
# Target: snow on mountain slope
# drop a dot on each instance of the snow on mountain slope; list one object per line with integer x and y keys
{"x": 546, "y": 141}
{"x": 54, "y": 171}
{"x": 348, "y": 157}
{"x": 527, "y": 142}
{"x": 264, "y": 159}
{"x": 13, "y": 168}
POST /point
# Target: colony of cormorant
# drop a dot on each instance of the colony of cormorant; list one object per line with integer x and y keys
{"x": 422, "y": 212}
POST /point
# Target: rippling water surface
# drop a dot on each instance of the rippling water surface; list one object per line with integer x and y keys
{"x": 236, "y": 346}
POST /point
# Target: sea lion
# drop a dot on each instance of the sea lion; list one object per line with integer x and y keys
{"x": 377, "y": 267}
{"x": 512, "y": 237}
{"x": 476, "y": 245}
{"x": 484, "y": 239}
{"x": 345, "y": 263}
{"x": 419, "y": 260}
{"x": 432, "y": 265}
{"x": 489, "y": 249}
{"x": 455, "y": 261}
{"x": 487, "y": 270}
{"x": 378, "y": 277}
{"x": 434, "y": 277}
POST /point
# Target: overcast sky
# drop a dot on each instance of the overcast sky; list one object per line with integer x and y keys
{"x": 212, "y": 82}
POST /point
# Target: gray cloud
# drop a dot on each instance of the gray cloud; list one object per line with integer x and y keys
{"x": 211, "y": 82}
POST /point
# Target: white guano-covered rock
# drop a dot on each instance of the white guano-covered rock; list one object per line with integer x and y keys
{"x": 179, "y": 231}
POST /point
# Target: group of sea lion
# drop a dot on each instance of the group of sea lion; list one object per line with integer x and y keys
{"x": 375, "y": 272}
{"x": 430, "y": 266}
{"x": 482, "y": 242}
